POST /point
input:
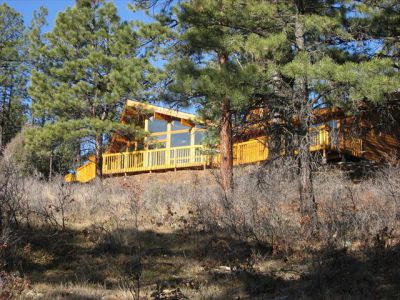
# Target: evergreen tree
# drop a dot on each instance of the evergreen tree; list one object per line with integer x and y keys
{"x": 13, "y": 74}
{"x": 85, "y": 68}
{"x": 209, "y": 71}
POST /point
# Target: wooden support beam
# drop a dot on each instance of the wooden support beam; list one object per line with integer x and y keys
{"x": 146, "y": 128}
{"x": 187, "y": 123}
{"x": 159, "y": 116}
{"x": 192, "y": 143}
{"x": 171, "y": 131}
{"x": 168, "y": 144}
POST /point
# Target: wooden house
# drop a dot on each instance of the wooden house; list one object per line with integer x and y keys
{"x": 174, "y": 141}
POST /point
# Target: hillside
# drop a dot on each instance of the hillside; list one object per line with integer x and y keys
{"x": 175, "y": 236}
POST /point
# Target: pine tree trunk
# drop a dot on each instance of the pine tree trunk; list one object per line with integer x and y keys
{"x": 226, "y": 166}
{"x": 99, "y": 156}
{"x": 51, "y": 167}
{"x": 305, "y": 115}
{"x": 3, "y": 111}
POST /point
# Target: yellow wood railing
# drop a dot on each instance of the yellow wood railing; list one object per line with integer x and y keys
{"x": 69, "y": 177}
{"x": 251, "y": 151}
{"x": 248, "y": 152}
{"x": 180, "y": 157}
{"x": 86, "y": 173}
{"x": 157, "y": 159}
{"x": 319, "y": 138}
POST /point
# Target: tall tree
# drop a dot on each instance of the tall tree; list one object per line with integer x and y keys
{"x": 209, "y": 71}
{"x": 13, "y": 74}
{"x": 85, "y": 68}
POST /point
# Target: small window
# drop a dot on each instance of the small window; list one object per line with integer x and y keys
{"x": 157, "y": 125}
{"x": 180, "y": 139}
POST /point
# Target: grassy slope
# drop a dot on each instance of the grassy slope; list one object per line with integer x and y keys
{"x": 177, "y": 253}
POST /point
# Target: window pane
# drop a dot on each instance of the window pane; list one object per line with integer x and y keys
{"x": 198, "y": 137}
{"x": 158, "y": 138}
{"x": 180, "y": 139}
{"x": 157, "y": 145}
{"x": 176, "y": 125}
{"x": 157, "y": 125}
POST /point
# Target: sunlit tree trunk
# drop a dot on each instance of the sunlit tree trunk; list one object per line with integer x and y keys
{"x": 99, "y": 156}
{"x": 226, "y": 166}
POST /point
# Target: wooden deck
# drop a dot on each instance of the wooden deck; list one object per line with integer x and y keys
{"x": 248, "y": 152}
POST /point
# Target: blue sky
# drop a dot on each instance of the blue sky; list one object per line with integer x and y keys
{"x": 27, "y": 7}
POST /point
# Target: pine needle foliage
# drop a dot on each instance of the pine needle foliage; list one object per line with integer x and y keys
{"x": 85, "y": 69}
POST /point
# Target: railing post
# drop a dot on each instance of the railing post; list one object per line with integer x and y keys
{"x": 145, "y": 159}
{"x": 168, "y": 144}
{"x": 103, "y": 165}
{"x": 125, "y": 161}
{"x": 175, "y": 158}
{"x": 192, "y": 145}
{"x": 150, "y": 160}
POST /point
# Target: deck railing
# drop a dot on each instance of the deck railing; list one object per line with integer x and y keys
{"x": 251, "y": 151}
{"x": 319, "y": 138}
{"x": 70, "y": 178}
{"x": 180, "y": 157}
{"x": 157, "y": 159}
{"x": 86, "y": 173}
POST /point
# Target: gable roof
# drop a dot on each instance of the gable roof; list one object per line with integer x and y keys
{"x": 161, "y": 110}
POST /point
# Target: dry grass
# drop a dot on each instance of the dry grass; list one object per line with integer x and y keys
{"x": 176, "y": 233}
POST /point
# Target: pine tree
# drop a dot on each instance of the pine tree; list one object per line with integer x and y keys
{"x": 84, "y": 69}
{"x": 13, "y": 74}
{"x": 209, "y": 72}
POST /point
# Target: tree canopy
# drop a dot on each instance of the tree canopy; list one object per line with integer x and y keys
{"x": 13, "y": 74}
{"x": 87, "y": 67}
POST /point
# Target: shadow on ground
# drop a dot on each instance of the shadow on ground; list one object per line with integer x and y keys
{"x": 201, "y": 262}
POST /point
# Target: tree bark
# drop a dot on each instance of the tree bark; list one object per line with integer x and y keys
{"x": 3, "y": 113}
{"x": 226, "y": 165}
{"x": 51, "y": 166}
{"x": 305, "y": 114}
{"x": 99, "y": 156}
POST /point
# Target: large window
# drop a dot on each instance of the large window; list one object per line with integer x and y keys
{"x": 180, "y": 139}
{"x": 157, "y": 145}
{"x": 157, "y": 142}
{"x": 157, "y": 125}
{"x": 176, "y": 125}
